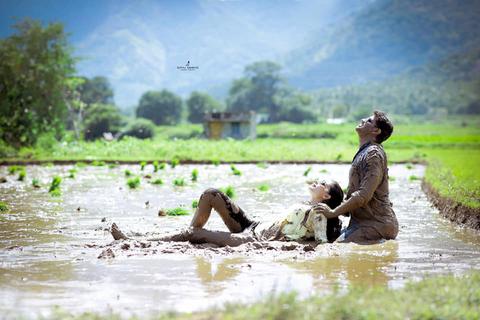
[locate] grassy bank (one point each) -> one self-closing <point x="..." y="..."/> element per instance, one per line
<point x="451" y="148"/>
<point x="446" y="297"/>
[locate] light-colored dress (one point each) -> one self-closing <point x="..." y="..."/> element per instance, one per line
<point x="300" y="224"/>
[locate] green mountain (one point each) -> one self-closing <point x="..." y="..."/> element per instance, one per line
<point x="448" y="86"/>
<point x="386" y="39"/>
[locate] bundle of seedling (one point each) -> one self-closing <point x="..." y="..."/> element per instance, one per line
<point x="54" y="189"/>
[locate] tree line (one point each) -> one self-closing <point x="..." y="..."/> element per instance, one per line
<point x="41" y="93"/>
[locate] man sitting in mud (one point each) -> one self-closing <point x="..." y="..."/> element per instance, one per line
<point x="300" y="225"/>
<point x="371" y="215"/>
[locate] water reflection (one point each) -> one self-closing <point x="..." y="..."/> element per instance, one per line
<point x="350" y="263"/>
<point x="214" y="274"/>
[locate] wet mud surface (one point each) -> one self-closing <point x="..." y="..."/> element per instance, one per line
<point x="59" y="251"/>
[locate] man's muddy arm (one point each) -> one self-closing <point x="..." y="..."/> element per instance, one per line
<point x="362" y="196"/>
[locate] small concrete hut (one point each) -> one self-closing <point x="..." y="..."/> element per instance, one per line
<point x="221" y="125"/>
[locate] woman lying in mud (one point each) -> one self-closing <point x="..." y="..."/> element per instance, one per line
<point x="303" y="224"/>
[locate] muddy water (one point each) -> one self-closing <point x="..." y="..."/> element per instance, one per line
<point x="49" y="246"/>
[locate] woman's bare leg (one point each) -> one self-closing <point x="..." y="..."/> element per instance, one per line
<point x="199" y="235"/>
<point x="232" y="215"/>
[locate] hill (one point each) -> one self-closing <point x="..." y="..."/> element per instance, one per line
<point x="385" y="39"/>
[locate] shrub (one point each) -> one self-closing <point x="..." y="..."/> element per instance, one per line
<point x="162" y="107"/>
<point x="101" y="118"/>
<point x="139" y="128"/>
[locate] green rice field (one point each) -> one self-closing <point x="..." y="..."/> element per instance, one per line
<point x="451" y="148"/>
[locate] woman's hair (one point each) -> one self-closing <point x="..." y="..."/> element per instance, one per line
<point x="336" y="195"/>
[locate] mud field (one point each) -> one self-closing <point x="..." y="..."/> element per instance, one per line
<point x="50" y="246"/>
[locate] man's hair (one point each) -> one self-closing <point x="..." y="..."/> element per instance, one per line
<point x="336" y="195"/>
<point x="384" y="124"/>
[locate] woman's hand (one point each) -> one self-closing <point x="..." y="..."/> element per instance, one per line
<point x="322" y="208"/>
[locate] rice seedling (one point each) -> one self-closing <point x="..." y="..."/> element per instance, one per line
<point x="263" y="187"/>
<point x="235" y="171"/>
<point x="229" y="191"/>
<point x="162" y="166"/>
<point x="55" y="184"/>
<point x="194" y="175"/>
<point x="157" y="181"/>
<point x="215" y="162"/>
<point x="155" y="166"/>
<point x="391" y="178"/>
<point x="35" y="183"/>
<point x="148" y="176"/>
<point x="3" y="206"/>
<point x="133" y="183"/>
<point x="179" y="182"/>
<point x="71" y="173"/>
<point x="142" y="165"/>
<point x="324" y="171"/>
<point x="48" y="164"/>
<point x="338" y="157"/>
<point x="413" y="178"/>
<point x="128" y="173"/>
<point x="97" y="163"/>
<point x="112" y="165"/>
<point x="13" y="169"/>
<point x="262" y="165"/>
<point x="178" y="211"/>
<point x="22" y="174"/>
<point x="306" y="172"/>
<point x="81" y="164"/>
<point x="175" y="162"/>
<point x="56" y="192"/>
<point x="195" y="204"/>
<point x="409" y="166"/>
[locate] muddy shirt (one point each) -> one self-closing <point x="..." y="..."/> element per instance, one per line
<point x="368" y="186"/>
<point x="299" y="224"/>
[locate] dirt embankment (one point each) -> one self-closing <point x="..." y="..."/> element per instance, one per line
<point x="454" y="211"/>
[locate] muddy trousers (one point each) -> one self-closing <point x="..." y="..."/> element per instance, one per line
<point x="232" y="215"/>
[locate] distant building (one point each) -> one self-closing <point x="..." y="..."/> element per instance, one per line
<point x="221" y="125"/>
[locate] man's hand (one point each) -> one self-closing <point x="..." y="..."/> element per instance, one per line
<point x="322" y="208"/>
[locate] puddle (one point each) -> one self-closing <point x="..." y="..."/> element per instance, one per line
<point x="49" y="248"/>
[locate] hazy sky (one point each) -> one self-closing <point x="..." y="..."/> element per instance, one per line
<point x="138" y="45"/>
